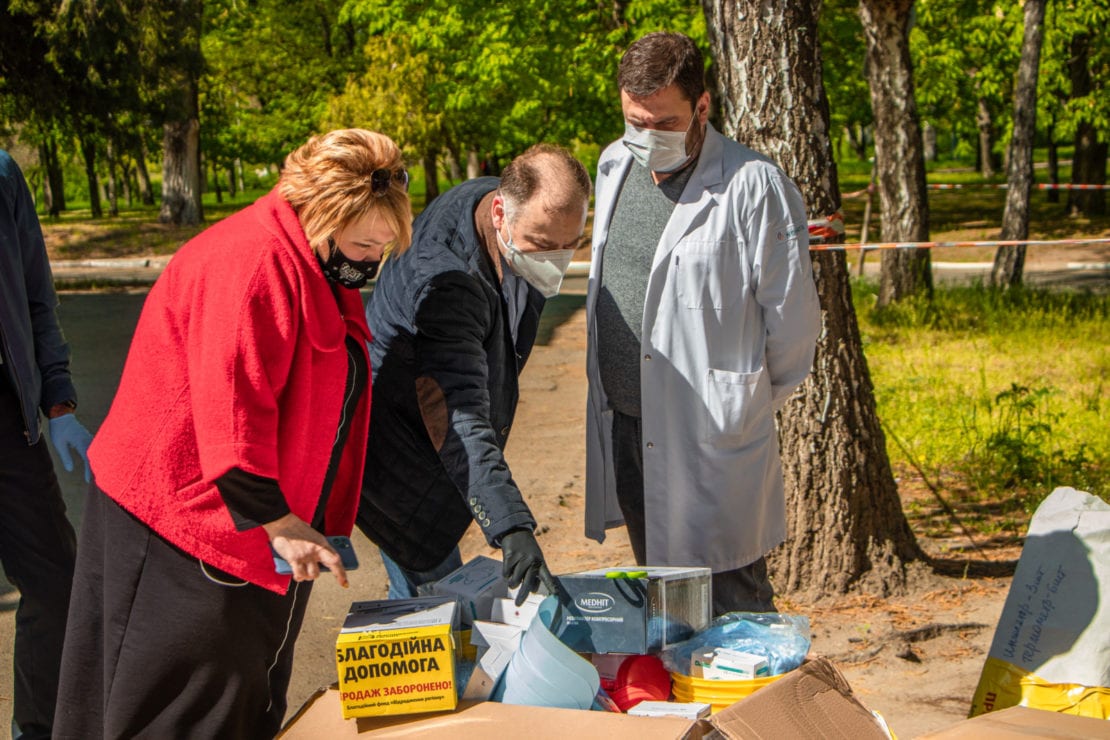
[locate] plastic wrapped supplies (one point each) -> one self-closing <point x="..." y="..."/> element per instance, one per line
<point x="782" y="639"/>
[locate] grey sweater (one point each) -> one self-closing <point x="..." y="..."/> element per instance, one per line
<point x="640" y="215"/>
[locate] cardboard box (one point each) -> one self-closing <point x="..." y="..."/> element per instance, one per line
<point x="320" y="718"/>
<point x="397" y="657"/>
<point x="1022" y="723"/>
<point x="642" y="611"/>
<point x="812" y="701"/>
<point x="476" y="584"/>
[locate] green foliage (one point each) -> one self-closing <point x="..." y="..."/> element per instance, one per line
<point x="474" y="76"/>
<point x="843" y="53"/>
<point x="1057" y="104"/>
<point x="271" y="68"/>
<point x="996" y="394"/>
<point x="965" y="51"/>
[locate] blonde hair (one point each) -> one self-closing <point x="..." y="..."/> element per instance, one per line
<point x="327" y="181"/>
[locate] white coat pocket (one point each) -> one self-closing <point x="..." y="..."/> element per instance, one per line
<point x="737" y="407"/>
<point x="707" y="273"/>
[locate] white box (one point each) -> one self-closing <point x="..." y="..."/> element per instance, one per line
<point x="746" y="665"/>
<point x="476" y="584"/>
<point x="687" y="710"/>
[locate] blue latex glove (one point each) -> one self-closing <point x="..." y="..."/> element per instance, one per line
<point x="66" y="432"/>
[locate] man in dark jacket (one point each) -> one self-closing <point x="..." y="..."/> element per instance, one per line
<point x="36" y="540"/>
<point x="453" y="321"/>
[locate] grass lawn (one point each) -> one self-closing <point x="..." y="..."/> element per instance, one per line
<point x="994" y="398"/>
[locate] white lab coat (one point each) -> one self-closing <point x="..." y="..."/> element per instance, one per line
<point x="730" y="323"/>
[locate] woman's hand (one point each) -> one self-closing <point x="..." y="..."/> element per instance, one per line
<point x="304" y="549"/>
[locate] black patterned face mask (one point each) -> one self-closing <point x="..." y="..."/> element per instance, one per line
<point x="349" y="273"/>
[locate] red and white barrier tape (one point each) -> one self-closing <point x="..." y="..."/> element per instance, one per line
<point x="986" y="185"/>
<point x="826" y="229"/>
<point x="931" y="245"/>
<point x="1005" y="186"/>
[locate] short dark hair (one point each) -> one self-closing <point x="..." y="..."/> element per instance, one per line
<point x="548" y="170"/>
<point x="659" y="60"/>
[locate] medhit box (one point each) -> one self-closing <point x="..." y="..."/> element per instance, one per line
<point x="397" y="657"/>
<point x="635" y="610"/>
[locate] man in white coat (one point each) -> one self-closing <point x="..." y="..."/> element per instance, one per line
<point x="703" y="318"/>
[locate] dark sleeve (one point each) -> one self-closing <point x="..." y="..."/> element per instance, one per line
<point x="251" y="499"/>
<point x="51" y="349"/>
<point x="452" y="321"/>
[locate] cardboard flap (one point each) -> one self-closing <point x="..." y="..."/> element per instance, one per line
<point x="321" y="718"/>
<point x="813" y="701"/>
<point x="1023" y="723"/>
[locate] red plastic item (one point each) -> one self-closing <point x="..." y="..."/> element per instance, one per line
<point x="640" y="678"/>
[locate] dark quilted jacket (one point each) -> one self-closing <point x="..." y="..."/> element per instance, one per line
<point x="445" y="390"/>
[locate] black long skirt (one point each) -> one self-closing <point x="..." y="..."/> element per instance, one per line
<point x="161" y="645"/>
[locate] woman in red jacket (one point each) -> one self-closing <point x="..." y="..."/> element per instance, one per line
<point x="239" y="425"/>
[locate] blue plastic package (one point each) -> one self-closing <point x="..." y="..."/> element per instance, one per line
<point x="783" y="639"/>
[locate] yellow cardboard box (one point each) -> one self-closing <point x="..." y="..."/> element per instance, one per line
<point x="397" y="657"/>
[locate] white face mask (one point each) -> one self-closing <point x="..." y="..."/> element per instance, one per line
<point x="544" y="271"/>
<point x="659" y="151"/>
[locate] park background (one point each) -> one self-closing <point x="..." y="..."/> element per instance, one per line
<point x="966" y="401"/>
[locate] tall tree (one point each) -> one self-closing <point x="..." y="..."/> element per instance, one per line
<point x="845" y="529"/>
<point x="1089" y="160"/>
<point x="1071" y="94"/>
<point x="1010" y="261"/>
<point x="899" y="155"/>
<point x="181" y="64"/>
<point x="28" y="78"/>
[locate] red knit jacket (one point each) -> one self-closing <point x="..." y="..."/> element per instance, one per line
<point x="238" y="361"/>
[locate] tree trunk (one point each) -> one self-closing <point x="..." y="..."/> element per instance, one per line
<point x="929" y="142"/>
<point x="231" y="189"/>
<point x="113" y="176"/>
<point x="858" y="141"/>
<point x="431" y="176"/>
<point x="126" y="180"/>
<point x="1053" y="195"/>
<point x="1010" y="261"/>
<point x="454" y="171"/>
<point x="88" y="151"/>
<point x="54" y="184"/>
<point x="216" y="182"/>
<point x="473" y="166"/>
<point x="146" y="193"/>
<point x="181" y="173"/>
<point x="1089" y="161"/>
<point x="182" y="176"/>
<point x="903" y="202"/>
<point x="986" y="139"/>
<point x="845" y="527"/>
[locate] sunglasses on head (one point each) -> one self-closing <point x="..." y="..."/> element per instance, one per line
<point x="380" y="180"/>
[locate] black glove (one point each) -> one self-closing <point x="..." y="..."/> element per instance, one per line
<point x="524" y="565"/>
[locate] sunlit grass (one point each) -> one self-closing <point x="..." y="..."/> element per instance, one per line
<point x="994" y="394"/>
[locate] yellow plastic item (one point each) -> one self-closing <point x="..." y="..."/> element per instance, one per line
<point x="719" y="694"/>
<point x="466" y="651"/>
<point x="1004" y="685"/>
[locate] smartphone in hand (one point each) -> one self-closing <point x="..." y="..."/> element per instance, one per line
<point x="339" y="543"/>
